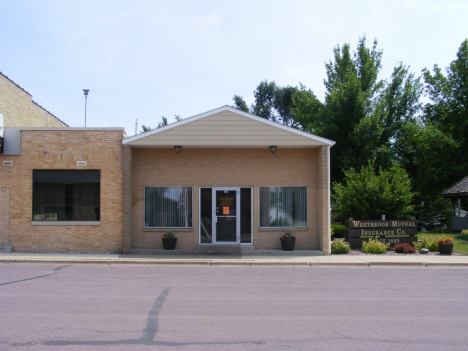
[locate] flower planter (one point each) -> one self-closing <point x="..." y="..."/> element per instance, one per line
<point x="287" y="244"/>
<point x="445" y="249"/>
<point x="169" y="243"/>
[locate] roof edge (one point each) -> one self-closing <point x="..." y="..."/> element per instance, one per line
<point x="447" y="193"/>
<point x="233" y="110"/>
<point x="66" y="128"/>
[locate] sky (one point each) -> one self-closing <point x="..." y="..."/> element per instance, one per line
<point x="145" y="59"/>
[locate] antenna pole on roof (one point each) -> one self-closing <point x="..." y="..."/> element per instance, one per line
<point x="136" y="125"/>
<point x="86" y="91"/>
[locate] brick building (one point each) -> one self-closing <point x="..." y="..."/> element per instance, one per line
<point x="19" y="110"/>
<point x="55" y="180"/>
<point x="221" y="178"/>
<point x="226" y="177"/>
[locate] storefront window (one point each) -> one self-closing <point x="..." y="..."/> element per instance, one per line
<point x="168" y="207"/>
<point x="283" y="206"/>
<point x="66" y="195"/>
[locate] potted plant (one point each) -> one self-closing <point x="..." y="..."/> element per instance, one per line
<point x="169" y="240"/>
<point x="287" y="241"/>
<point x="445" y="246"/>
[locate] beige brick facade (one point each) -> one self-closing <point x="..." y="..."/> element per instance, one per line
<point x="224" y="148"/>
<point x="4" y="216"/>
<point x="19" y="110"/>
<point x="61" y="149"/>
<point x="239" y="167"/>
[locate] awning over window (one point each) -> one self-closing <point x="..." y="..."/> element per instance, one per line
<point x="54" y="175"/>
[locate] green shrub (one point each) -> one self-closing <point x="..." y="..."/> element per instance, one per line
<point x="462" y="236"/>
<point x="375" y="247"/>
<point x="338" y="230"/>
<point x="464" y="231"/>
<point x="428" y="242"/>
<point x="340" y="247"/>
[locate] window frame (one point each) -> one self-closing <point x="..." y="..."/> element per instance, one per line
<point x="165" y="186"/>
<point x="283" y="186"/>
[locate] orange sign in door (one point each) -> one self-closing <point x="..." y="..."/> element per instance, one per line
<point x="225" y="210"/>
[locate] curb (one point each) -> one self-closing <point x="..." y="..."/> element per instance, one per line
<point x="220" y="263"/>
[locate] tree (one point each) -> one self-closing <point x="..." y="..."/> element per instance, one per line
<point x="160" y="124"/>
<point x="264" y="100"/>
<point x="367" y="195"/>
<point x="271" y="102"/>
<point x="352" y="90"/>
<point x="284" y="106"/>
<point x="423" y="150"/>
<point x="306" y="109"/>
<point x="239" y="103"/>
<point x="145" y="129"/>
<point x="448" y="110"/>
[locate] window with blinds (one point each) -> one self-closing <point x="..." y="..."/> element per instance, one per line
<point x="283" y="206"/>
<point x="66" y="195"/>
<point x="168" y="207"/>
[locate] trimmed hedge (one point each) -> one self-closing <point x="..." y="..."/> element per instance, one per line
<point x="463" y="236"/>
<point x="339" y="230"/>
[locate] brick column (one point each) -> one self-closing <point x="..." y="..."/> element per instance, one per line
<point x="127" y="198"/>
<point x="324" y="199"/>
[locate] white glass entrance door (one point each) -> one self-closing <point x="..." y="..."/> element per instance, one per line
<point x="226" y="215"/>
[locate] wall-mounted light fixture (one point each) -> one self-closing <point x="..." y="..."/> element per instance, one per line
<point x="272" y="149"/>
<point x="178" y="148"/>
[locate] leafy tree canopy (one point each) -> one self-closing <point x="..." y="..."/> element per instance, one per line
<point x="367" y="195"/>
<point x="160" y="124"/>
<point x="448" y="110"/>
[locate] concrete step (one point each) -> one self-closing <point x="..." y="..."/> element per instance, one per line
<point x="224" y="250"/>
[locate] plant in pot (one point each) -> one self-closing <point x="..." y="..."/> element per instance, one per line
<point x="169" y="240"/>
<point x="287" y="241"/>
<point x="445" y="246"/>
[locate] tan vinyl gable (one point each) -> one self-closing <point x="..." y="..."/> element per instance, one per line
<point x="226" y="128"/>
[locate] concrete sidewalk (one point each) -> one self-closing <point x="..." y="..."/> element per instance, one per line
<point x="264" y="258"/>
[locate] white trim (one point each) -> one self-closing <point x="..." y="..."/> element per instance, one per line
<point x="233" y="110"/>
<point x="66" y="222"/>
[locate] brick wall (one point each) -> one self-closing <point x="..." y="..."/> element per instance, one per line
<point x="49" y="149"/>
<point x="19" y="110"/>
<point x="254" y="167"/>
<point x="4" y="216"/>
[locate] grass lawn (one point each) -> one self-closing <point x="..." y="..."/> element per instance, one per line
<point x="460" y="246"/>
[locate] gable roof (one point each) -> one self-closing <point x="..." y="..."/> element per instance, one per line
<point x="458" y="189"/>
<point x="226" y="127"/>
